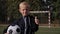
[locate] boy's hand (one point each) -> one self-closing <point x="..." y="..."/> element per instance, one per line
<point x="36" y="20"/>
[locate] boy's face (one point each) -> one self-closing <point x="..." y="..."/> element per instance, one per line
<point x="24" y="10"/>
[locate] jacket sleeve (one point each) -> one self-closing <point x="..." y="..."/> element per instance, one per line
<point x="34" y="25"/>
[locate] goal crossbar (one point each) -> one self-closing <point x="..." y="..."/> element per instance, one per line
<point x="39" y="11"/>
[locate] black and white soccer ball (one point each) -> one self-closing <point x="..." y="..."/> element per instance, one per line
<point x="13" y="29"/>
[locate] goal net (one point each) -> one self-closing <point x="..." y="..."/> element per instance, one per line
<point x="44" y="17"/>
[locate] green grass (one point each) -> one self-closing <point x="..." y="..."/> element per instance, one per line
<point x="42" y="30"/>
<point x="1" y="29"/>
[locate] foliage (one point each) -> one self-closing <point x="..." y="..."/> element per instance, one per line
<point x="9" y="8"/>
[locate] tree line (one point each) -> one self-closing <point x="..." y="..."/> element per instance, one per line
<point x="9" y="8"/>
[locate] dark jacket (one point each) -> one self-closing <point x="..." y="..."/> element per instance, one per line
<point x="20" y="22"/>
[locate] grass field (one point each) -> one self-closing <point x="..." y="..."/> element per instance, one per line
<point x="42" y="30"/>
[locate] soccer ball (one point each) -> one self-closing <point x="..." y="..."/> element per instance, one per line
<point x="13" y="29"/>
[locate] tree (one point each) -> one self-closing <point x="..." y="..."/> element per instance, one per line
<point x="2" y="10"/>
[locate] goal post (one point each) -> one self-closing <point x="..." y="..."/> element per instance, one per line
<point x="49" y="20"/>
